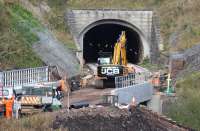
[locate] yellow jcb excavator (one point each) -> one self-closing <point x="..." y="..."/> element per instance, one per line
<point x="108" y="69"/>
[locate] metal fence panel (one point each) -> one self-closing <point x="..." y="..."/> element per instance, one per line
<point x="1" y="83"/>
<point x="141" y="92"/>
<point x="25" y="76"/>
<point x="133" y="85"/>
<point x="131" y="79"/>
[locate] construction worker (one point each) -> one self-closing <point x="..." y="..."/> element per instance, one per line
<point x="62" y="84"/>
<point x="63" y="87"/>
<point x="9" y="106"/>
<point x="156" y="79"/>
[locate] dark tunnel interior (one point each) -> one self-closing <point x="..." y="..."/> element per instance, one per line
<point x="102" y="38"/>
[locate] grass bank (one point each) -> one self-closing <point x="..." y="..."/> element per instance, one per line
<point x="16" y="37"/>
<point x="39" y="122"/>
<point x="186" y="109"/>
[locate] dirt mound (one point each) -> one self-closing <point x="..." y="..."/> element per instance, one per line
<point x="113" y="119"/>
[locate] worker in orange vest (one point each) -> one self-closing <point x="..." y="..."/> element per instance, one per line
<point x="9" y="106"/>
<point x="157" y="81"/>
<point x="63" y="87"/>
<point x="62" y="84"/>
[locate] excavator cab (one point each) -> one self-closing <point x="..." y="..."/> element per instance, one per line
<point x="106" y="68"/>
<point x="105" y="58"/>
<point x="104" y="61"/>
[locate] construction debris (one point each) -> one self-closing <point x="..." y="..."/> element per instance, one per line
<point x="85" y="80"/>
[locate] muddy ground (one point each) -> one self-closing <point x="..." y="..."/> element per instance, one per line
<point x="89" y="95"/>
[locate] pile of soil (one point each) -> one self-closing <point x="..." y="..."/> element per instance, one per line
<point x="113" y="119"/>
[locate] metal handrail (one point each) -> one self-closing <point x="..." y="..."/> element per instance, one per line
<point x="131" y="79"/>
<point x="20" y="77"/>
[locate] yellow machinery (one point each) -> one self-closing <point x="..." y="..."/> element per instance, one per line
<point x="119" y="55"/>
<point x="108" y="69"/>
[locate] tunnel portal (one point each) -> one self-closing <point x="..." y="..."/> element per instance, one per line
<point x="103" y="37"/>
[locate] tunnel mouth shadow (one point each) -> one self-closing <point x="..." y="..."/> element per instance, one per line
<point x="102" y="38"/>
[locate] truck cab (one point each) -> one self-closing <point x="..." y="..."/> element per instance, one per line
<point x="39" y="98"/>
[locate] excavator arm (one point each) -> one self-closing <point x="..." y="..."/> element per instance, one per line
<point x="119" y="55"/>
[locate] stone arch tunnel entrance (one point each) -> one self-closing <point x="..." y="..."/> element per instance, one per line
<point x="93" y="30"/>
<point x="102" y="38"/>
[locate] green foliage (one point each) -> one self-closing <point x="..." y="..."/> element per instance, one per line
<point x="186" y="109"/>
<point x="56" y="21"/>
<point x="15" y="52"/>
<point x="1" y="6"/>
<point x="22" y="14"/>
<point x="180" y="17"/>
<point x="16" y="38"/>
<point x="23" y="22"/>
<point x="145" y="63"/>
<point x="57" y="3"/>
<point x="93" y="4"/>
<point x="157" y="2"/>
